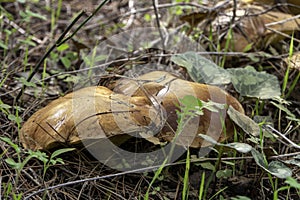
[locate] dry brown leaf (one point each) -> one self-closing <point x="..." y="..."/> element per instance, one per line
<point x="287" y="6"/>
<point x="256" y="24"/>
<point x="293" y="6"/>
<point x="259" y="2"/>
<point x="196" y="17"/>
<point x="134" y="106"/>
<point x="261" y="28"/>
<point x="294" y="61"/>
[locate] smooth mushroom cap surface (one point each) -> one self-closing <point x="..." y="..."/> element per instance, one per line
<point x="151" y="101"/>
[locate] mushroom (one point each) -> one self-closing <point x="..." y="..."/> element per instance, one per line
<point x="167" y="90"/>
<point x="88" y="109"/>
<point x="132" y="106"/>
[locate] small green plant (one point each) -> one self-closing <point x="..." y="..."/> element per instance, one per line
<point x="201" y="189"/>
<point x="17" y="165"/>
<point x="8" y="192"/>
<point x="185" y="191"/>
<point x="55" y="14"/>
<point x="42" y="156"/>
<point x="156" y="176"/>
<point x="286" y="75"/>
<point x="189" y="107"/>
<point x="5" y="108"/>
<point x="64" y="55"/>
<point x="53" y="160"/>
<point x="292" y="183"/>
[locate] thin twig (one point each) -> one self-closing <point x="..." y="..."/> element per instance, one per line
<point x="280" y="22"/>
<point x="169" y="5"/>
<point x="283" y="136"/>
<point x="61" y="41"/>
<point x="21" y="30"/>
<point x="233" y="12"/>
<point x="85" y="21"/>
<point x="165" y="6"/>
<point x="158" y="24"/>
<point x="106" y="176"/>
<point x="147" y="169"/>
<point x="254" y="54"/>
<point x="34" y="71"/>
<point x="91" y="179"/>
<point x="283" y="34"/>
<point x="132" y="16"/>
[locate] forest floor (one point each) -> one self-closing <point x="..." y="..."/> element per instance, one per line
<point x="232" y="34"/>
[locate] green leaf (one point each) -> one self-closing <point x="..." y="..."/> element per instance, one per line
<point x="208" y="165"/>
<point x="13" y="163"/>
<point x="3" y="46"/>
<point x="226" y="173"/>
<point x="284" y="109"/>
<point x="292" y="182"/>
<point x="147" y="17"/>
<point x="240" y="147"/>
<point x="5" y="106"/>
<point x="36" y="15"/>
<point x="190" y="106"/>
<point x="42" y="156"/>
<point x="190" y="102"/>
<point x="72" y="79"/>
<point x="259" y="159"/>
<point x="66" y="62"/>
<point x="275" y="168"/>
<point x="294" y="161"/>
<point x="71" y="55"/>
<point x="62" y="47"/>
<point x="25" y="82"/>
<point x="29" y="42"/>
<point x="213" y="106"/>
<point x="248" y="82"/>
<point x="208" y="139"/>
<point x="201" y="69"/>
<point x="54" y="56"/>
<point x="14" y="118"/>
<point x="253" y="57"/>
<point x="58" y="160"/>
<point x="279" y="169"/>
<point x="248" y="47"/>
<point x="10" y="143"/>
<point x="247" y="124"/>
<point x="61" y="151"/>
<point x="294" y="119"/>
<point x="240" y="198"/>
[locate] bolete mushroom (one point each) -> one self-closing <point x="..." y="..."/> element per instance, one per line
<point x="88" y="109"/>
<point x="167" y="90"/>
<point x="150" y="102"/>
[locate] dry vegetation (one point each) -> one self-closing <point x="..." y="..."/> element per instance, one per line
<point x="234" y="34"/>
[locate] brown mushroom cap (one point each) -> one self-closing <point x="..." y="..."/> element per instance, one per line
<point x="173" y="89"/>
<point x="97" y="112"/>
<point x="88" y="111"/>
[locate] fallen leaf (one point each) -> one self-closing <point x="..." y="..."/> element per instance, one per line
<point x="248" y="82"/>
<point x="201" y="69"/>
<point x="244" y="122"/>
<point x="294" y="61"/>
<point x="275" y="168"/>
<point x="255" y="24"/>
